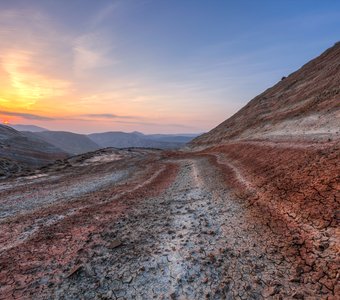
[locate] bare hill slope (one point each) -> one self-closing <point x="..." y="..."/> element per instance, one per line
<point x="307" y="103"/>
<point x="23" y="127"/>
<point x="69" y="142"/>
<point x="18" y="151"/>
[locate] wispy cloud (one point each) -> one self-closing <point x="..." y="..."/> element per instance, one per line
<point x="109" y="116"/>
<point x="83" y="117"/>
<point x="91" y="51"/>
<point x="30" y="68"/>
<point x="26" y="116"/>
<point x="28" y="83"/>
<point x="156" y="124"/>
<point x="104" y="13"/>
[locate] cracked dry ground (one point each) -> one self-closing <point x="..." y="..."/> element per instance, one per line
<point x="248" y="220"/>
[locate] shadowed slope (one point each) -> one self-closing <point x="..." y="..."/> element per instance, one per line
<point x="31" y="128"/>
<point x="69" y="142"/>
<point x="18" y="151"/>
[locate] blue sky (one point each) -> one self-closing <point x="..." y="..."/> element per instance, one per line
<point x="152" y="66"/>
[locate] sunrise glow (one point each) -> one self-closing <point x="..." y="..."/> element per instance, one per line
<point x="107" y="69"/>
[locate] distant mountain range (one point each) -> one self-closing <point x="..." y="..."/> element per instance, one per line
<point x="69" y="142"/>
<point x="75" y="144"/>
<point x="136" y="139"/>
<point x="25" y="146"/>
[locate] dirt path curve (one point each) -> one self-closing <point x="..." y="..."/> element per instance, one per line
<point x="173" y="229"/>
<point x="191" y="242"/>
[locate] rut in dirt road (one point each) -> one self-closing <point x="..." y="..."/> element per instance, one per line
<point x="175" y="225"/>
<point x="162" y="241"/>
<point x="191" y="242"/>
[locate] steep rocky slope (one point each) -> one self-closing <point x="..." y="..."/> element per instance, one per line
<point x="280" y="156"/>
<point x="306" y="103"/>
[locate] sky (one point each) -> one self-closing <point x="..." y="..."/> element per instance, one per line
<point x="155" y="66"/>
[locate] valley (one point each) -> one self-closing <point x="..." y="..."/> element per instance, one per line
<point x="249" y="210"/>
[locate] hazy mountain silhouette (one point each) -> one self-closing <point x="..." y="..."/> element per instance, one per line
<point x="32" y="128"/>
<point x="136" y="139"/>
<point x="18" y="151"/>
<point x="69" y="142"/>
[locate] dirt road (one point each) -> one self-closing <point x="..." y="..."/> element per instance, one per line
<point x="146" y="224"/>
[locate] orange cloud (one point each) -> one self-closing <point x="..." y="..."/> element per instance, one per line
<point x="25" y="86"/>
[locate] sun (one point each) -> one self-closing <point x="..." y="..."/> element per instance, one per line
<point x="6" y="122"/>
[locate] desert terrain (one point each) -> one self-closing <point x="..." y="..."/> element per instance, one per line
<point x="218" y="223"/>
<point x="249" y="210"/>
